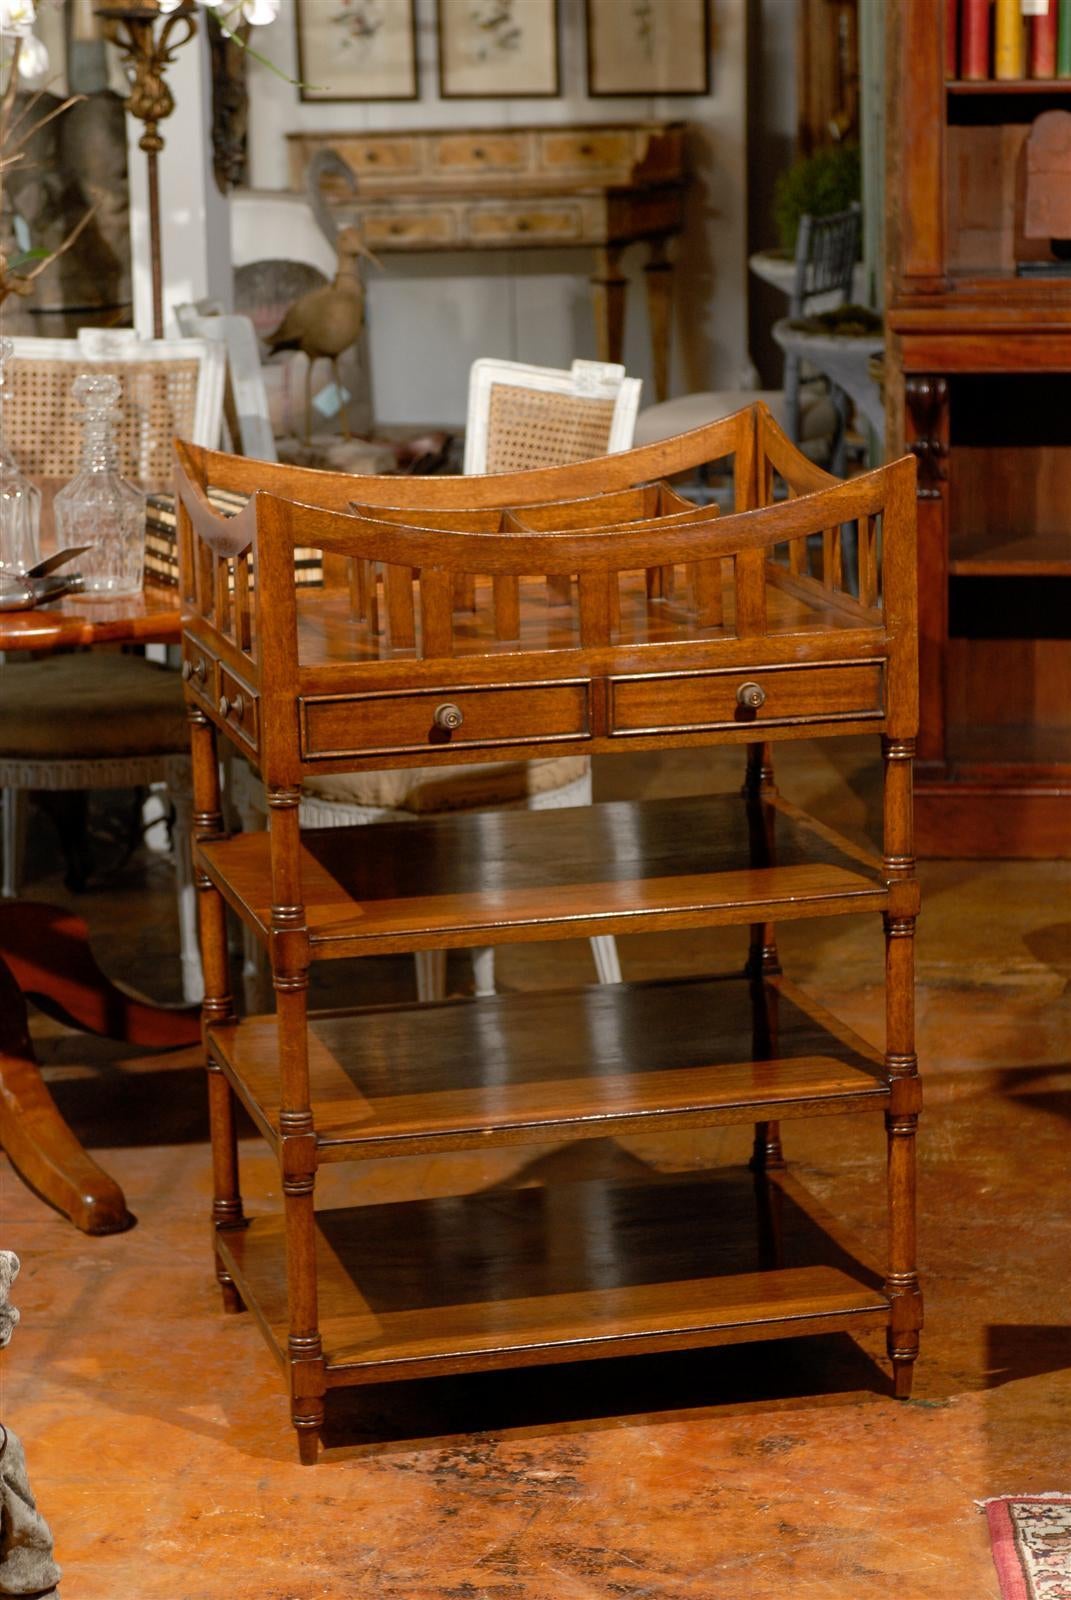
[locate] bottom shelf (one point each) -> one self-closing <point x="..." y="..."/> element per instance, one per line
<point x="527" y="1276"/>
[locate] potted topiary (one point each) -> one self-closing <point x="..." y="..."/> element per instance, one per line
<point x="816" y="185"/>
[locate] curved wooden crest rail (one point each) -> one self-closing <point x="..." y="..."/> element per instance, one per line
<point x="584" y="609"/>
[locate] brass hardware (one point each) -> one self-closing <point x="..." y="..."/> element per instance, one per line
<point x="479" y="152"/>
<point x="523" y="225"/>
<point x="751" y="696"/>
<point x="193" y="669"/>
<point x="237" y="705"/>
<point x="448" y="716"/>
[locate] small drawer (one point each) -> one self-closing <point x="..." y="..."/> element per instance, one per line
<point x="531" y="222"/>
<point x="237" y="707"/>
<point x="334" y="726"/>
<point x="468" y="154"/>
<point x="199" y="671"/>
<point x="760" y="697"/>
<point x="380" y="158"/>
<point x="595" y="150"/>
<point x="414" y="228"/>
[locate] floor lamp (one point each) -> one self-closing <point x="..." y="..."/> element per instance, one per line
<point x="148" y="39"/>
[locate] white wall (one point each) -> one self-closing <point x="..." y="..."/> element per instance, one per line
<point x="431" y="316"/>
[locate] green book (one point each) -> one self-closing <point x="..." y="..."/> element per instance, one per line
<point x="1063" y="41"/>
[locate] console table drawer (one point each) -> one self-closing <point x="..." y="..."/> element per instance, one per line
<point x="560" y="222"/>
<point x="666" y="702"/>
<point x="334" y="726"/>
<point x="384" y="226"/>
<point x="592" y="150"/>
<point x="468" y="154"/>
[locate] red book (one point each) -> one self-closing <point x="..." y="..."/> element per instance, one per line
<point x="951" y="38"/>
<point x="1042" y="59"/>
<point x="974" y="56"/>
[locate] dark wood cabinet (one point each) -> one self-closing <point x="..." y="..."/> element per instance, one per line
<point x="979" y="389"/>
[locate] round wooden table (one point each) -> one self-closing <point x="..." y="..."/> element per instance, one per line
<point x="45" y="954"/>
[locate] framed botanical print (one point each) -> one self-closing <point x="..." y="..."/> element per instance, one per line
<point x="498" y="48"/>
<point x="648" y="46"/>
<point x="357" y="49"/>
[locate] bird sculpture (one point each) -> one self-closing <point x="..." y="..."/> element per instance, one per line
<point x="327" y="320"/>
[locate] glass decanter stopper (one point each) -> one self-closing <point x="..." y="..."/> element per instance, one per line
<point x="20" y="500"/>
<point x="99" y="507"/>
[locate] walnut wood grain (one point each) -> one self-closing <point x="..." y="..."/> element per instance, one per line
<point x="531" y="1068"/>
<point x="530" y="1276"/>
<point x="454" y="880"/>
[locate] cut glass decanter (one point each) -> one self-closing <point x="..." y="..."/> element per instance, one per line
<point x="99" y="507"/>
<point x="20" y="500"/>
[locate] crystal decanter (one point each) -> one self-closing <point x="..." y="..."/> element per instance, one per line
<point x="20" y="500"/>
<point x="99" y="507"/>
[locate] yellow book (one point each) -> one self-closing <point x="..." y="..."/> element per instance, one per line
<point x="1009" y="50"/>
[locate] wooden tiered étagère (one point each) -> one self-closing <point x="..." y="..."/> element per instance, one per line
<point x="583" y="609"/>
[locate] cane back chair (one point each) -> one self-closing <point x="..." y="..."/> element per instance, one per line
<point x="99" y="720"/>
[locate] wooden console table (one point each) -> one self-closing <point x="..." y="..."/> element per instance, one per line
<point x="583" y="609"/>
<point x="602" y="186"/>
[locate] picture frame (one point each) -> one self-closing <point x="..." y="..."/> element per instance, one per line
<point x="357" y="50"/>
<point x="648" y="47"/>
<point x="494" y="49"/>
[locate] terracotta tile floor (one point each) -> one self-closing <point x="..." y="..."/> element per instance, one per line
<point x="156" y="1428"/>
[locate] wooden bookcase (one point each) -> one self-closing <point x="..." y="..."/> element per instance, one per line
<point x="620" y="619"/>
<point x="979" y="389"/>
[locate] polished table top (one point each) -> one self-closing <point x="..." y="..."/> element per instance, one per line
<point x="152" y="617"/>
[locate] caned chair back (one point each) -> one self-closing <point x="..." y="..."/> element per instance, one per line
<point x="522" y="416"/>
<point x="171" y="388"/>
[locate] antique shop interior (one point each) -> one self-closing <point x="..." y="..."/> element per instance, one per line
<point x="535" y="758"/>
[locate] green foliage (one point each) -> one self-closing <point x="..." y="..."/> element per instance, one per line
<point x="816" y="185"/>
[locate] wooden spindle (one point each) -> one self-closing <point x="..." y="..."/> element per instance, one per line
<point x="868" y="560"/>
<point x="436" y="612"/>
<point x="595" y="608"/>
<point x="507" y="603"/>
<point x="243" y="618"/>
<point x="832" y="566"/>
<point x="706" y="592"/>
<point x="749" y="570"/>
<point x="401" y="617"/>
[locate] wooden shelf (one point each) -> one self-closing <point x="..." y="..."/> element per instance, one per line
<point x="526" y="1068"/>
<point x="505" y="876"/>
<point x="513" y="1277"/>
<point x="1029" y="555"/>
<point x="958" y="86"/>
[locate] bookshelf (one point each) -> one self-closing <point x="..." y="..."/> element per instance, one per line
<point x="979" y="390"/>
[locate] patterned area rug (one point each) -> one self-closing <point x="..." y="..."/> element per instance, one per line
<point x="1031" y="1539"/>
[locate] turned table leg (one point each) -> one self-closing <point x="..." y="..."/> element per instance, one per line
<point x="610" y="286"/>
<point x="658" y="276"/>
<point x="45" y="956"/>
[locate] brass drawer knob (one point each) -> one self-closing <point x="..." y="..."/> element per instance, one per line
<point x="751" y="696"/>
<point x="193" y="669"/>
<point x="237" y="706"/>
<point x="448" y="716"/>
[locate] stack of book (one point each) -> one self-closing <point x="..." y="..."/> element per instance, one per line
<point x="161" y="543"/>
<point x="1008" y="39"/>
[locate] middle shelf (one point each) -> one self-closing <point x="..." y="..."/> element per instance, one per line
<point x="493" y="877"/>
<point x="527" y="1068"/>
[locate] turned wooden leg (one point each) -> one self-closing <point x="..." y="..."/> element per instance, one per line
<point x="218" y="1004"/>
<point x="658" y="276"/>
<point x="610" y="288"/>
<point x="901" y="1063"/>
<point x="297" y="1155"/>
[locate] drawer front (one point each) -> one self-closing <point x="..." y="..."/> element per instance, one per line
<point x="761" y="697"/>
<point x="380" y="158"/>
<point x="527" y="221"/>
<point x="413" y="227"/>
<point x="237" y="707"/>
<point x="334" y="726"/>
<point x="588" y="150"/>
<point x="199" y="668"/>
<point x="464" y="155"/>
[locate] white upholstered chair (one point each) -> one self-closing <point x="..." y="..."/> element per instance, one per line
<point x="518" y="416"/>
<point x="245" y="398"/>
<point x="97" y="720"/>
